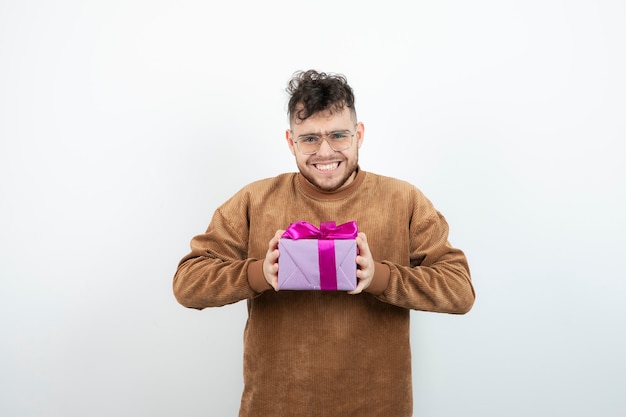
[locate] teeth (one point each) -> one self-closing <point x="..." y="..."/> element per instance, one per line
<point x="326" y="167"/>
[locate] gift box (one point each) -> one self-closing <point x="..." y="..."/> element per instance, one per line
<point x="318" y="259"/>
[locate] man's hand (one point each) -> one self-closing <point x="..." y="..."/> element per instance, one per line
<point x="270" y="264"/>
<point x="365" y="264"/>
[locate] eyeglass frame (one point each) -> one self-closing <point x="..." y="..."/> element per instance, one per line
<point x="326" y="137"/>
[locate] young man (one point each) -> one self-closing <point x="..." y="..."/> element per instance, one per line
<point x="327" y="353"/>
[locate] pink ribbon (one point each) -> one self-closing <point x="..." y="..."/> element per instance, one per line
<point x="326" y="234"/>
<point x="327" y="230"/>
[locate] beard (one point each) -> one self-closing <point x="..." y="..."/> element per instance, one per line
<point x="350" y="167"/>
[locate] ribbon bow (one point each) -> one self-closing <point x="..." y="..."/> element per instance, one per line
<point x="327" y="230"/>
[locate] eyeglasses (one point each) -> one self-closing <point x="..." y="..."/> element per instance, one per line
<point x="339" y="141"/>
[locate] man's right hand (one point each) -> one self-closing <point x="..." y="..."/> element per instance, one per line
<point x="270" y="264"/>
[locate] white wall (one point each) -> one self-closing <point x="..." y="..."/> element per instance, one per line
<point x="124" y="124"/>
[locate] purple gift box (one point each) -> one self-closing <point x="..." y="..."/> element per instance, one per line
<point x="318" y="259"/>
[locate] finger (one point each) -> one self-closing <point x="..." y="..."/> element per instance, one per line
<point x="361" y="283"/>
<point x="272" y="258"/>
<point x="273" y="243"/>
<point x="359" y="288"/>
<point x="363" y="263"/>
<point x="361" y="242"/>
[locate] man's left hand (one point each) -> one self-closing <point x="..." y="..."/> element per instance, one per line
<point x="365" y="265"/>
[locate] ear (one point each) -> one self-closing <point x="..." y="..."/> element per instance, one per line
<point x="289" y="137"/>
<point x="360" y="134"/>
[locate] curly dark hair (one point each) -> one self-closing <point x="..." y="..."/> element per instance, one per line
<point x="312" y="92"/>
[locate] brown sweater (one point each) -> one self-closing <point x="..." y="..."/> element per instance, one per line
<point x="324" y="353"/>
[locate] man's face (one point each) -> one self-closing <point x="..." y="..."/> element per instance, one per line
<point x="327" y="169"/>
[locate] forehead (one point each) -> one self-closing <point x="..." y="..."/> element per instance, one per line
<point x="326" y="120"/>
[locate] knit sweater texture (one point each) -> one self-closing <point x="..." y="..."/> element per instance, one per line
<point x="327" y="353"/>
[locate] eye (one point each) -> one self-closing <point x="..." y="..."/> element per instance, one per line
<point x="338" y="135"/>
<point x="309" y="139"/>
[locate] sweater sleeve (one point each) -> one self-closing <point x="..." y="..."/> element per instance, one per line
<point x="215" y="272"/>
<point x="437" y="278"/>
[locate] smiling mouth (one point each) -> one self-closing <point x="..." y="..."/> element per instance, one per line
<point x="327" y="167"/>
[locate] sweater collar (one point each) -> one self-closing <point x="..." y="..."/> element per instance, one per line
<point x="312" y="191"/>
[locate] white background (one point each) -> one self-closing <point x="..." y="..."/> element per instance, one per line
<point x="124" y="124"/>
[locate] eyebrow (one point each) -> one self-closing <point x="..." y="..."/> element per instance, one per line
<point x="326" y="133"/>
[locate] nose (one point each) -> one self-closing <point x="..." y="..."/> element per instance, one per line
<point x="325" y="148"/>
